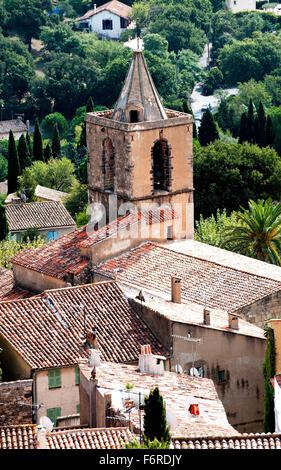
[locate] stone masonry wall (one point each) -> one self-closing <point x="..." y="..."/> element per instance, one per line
<point x="15" y="402"/>
<point x="262" y="310"/>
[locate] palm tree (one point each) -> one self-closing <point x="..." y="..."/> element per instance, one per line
<point x="257" y="233"/>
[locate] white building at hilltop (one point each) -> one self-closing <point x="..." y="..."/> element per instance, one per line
<point x="240" y="5"/>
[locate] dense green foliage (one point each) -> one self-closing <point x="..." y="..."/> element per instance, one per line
<point x="13" y="165"/>
<point x="37" y="143"/>
<point x="212" y="229"/>
<point x="155" y="444"/>
<point x="269" y="370"/>
<point x="4" y="228"/>
<point x="155" y="423"/>
<point x="9" y="248"/>
<point x="23" y="153"/>
<point x="228" y="175"/>
<point x="208" y="132"/>
<point x="257" y="232"/>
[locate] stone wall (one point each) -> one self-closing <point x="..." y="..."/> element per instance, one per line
<point x="16" y="402"/>
<point x="262" y="310"/>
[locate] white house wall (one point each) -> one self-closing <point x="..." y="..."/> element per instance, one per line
<point x="96" y="24"/>
<point x="241" y="5"/>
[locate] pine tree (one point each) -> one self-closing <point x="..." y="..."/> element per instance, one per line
<point x="37" y="143"/>
<point x="23" y="153"/>
<point x="13" y="165"/>
<point x="250" y="122"/>
<point x="243" y="130"/>
<point x="56" y="148"/>
<point x="261" y="126"/>
<point x="269" y="132"/>
<point x="47" y="153"/>
<point x="155" y="423"/>
<point x="208" y="131"/>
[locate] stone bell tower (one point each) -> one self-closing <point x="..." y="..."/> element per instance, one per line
<point x="140" y="153"/>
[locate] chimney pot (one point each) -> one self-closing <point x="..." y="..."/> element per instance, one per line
<point x="233" y="321"/>
<point x="207" y="317"/>
<point x="176" y="289"/>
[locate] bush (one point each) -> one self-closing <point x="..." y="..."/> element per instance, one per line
<point x="50" y="122"/>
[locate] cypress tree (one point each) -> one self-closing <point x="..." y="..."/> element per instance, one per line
<point x="29" y="146"/>
<point x="13" y="165"/>
<point x="83" y="140"/>
<point x="37" y="143"/>
<point x="90" y="105"/>
<point x="47" y="153"/>
<point x="4" y="228"/>
<point x="155" y="423"/>
<point x="23" y="152"/>
<point x="56" y="148"/>
<point x="256" y="136"/>
<point x="250" y="121"/>
<point x="208" y="131"/>
<point x="261" y="126"/>
<point x="269" y="369"/>
<point x="243" y="130"/>
<point x="269" y="132"/>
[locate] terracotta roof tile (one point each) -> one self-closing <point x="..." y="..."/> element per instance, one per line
<point x="48" y="193"/>
<point x="102" y="438"/>
<point x="242" y="441"/>
<point x="118" y="8"/>
<point x="178" y="391"/>
<point x="150" y="266"/>
<point x="18" y="437"/>
<point x="47" y="330"/>
<point x="8" y="289"/>
<point x="47" y="214"/>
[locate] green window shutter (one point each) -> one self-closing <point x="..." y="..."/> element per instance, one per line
<point x="78" y="408"/>
<point x="77" y="376"/>
<point x="54" y="377"/>
<point x="53" y="414"/>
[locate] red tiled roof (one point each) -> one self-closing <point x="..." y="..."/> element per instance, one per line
<point x="47" y="330"/>
<point x="46" y="214"/>
<point x="18" y="437"/>
<point x="243" y="441"/>
<point x="102" y="438"/>
<point x="8" y="290"/>
<point x="118" y="8"/>
<point x="62" y="256"/>
<point x="151" y="266"/>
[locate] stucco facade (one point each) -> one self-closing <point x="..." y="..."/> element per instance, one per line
<point x="240" y="5"/>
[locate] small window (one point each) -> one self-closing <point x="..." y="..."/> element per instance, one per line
<point x="53" y="414"/>
<point x="107" y="24"/>
<point x="170" y="232"/>
<point x="221" y="376"/>
<point x="123" y="23"/>
<point x="78" y="408"/>
<point x="54" y="378"/>
<point x="77" y="376"/>
<point x="52" y="236"/>
<point x="134" y="116"/>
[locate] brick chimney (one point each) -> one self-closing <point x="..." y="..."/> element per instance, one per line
<point x="176" y="289"/>
<point x="233" y="321"/>
<point x="150" y="363"/>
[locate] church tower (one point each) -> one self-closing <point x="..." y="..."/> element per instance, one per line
<point x="140" y="154"/>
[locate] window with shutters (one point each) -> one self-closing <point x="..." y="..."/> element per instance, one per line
<point x="107" y="24"/>
<point x="77" y="376"/>
<point x="53" y="414"/>
<point x="78" y="408"/>
<point x="54" y="378"/>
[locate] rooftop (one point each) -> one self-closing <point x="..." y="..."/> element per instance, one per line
<point x="48" y="214"/>
<point x="62" y="256"/>
<point x="18" y="437"/>
<point x="15" y="125"/>
<point x="8" y="289"/>
<point x="118" y="8"/>
<point x="178" y="390"/>
<point x="102" y="438"/>
<point x="48" y="193"/>
<point x="242" y="441"/>
<point x="206" y="280"/>
<point x="47" y="330"/>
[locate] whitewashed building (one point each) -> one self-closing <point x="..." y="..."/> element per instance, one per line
<point x="241" y="5"/>
<point x="108" y="20"/>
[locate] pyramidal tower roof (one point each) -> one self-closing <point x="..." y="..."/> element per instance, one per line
<point x="139" y="100"/>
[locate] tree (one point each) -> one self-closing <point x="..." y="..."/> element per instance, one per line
<point x="8" y="248"/>
<point x="261" y="126"/>
<point x="250" y="122"/>
<point x="4" y="228"/>
<point x="28" y="143"/>
<point x="13" y="165"/>
<point x="23" y="153"/>
<point x="243" y="130"/>
<point x="211" y="230"/>
<point x="37" y="143"/>
<point x="269" y="132"/>
<point x="77" y="199"/>
<point x="25" y="18"/>
<point x="56" y="148"/>
<point x="257" y="232"/>
<point x="207" y="131"/>
<point x="227" y="175"/>
<point x="89" y="109"/>
<point x="56" y="174"/>
<point x="155" y="423"/>
<point x="47" y="153"/>
<point x="269" y="371"/>
<point x="51" y="121"/>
